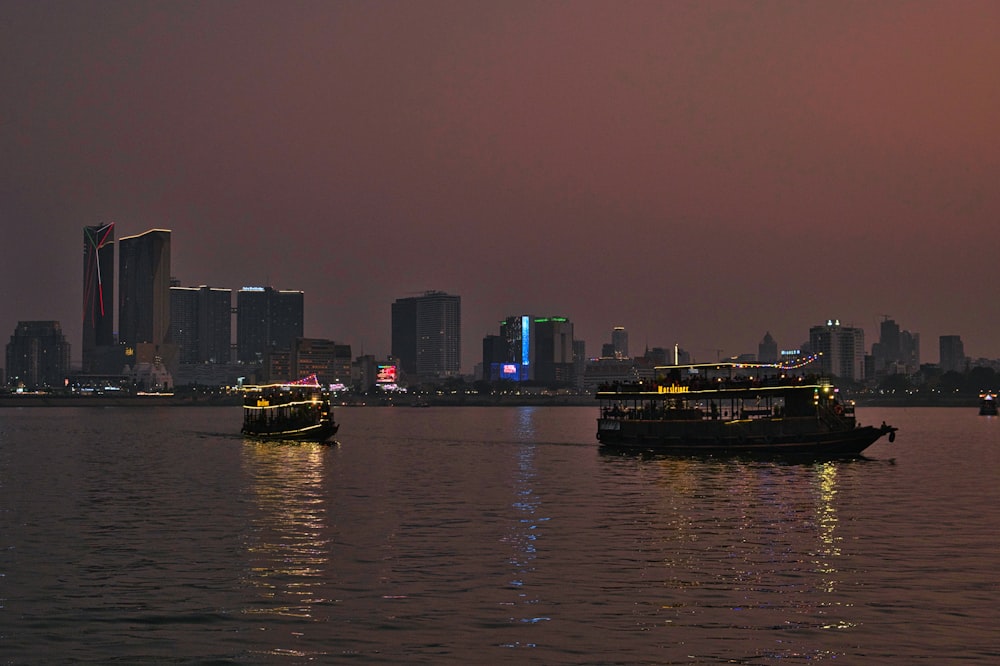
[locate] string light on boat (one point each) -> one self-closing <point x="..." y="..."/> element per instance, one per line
<point x="801" y="363"/>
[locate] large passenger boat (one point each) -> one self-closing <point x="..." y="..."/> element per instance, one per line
<point x="298" y="410"/>
<point x="988" y="404"/>
<point x="733" y="408"/>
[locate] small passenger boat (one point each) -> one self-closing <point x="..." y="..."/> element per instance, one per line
<point x="298" y="411"/>
<point x="988" y="404"/>
<point x="733" y="408"/>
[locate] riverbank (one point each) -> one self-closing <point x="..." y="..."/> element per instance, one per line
<point x="153" y="400"/>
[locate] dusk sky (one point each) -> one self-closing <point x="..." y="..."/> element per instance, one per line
<point x="698" y="172"/>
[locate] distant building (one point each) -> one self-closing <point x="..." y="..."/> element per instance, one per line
<point x="38" y="355"/>
<point x="952" y="353"/>
<point x="144" y="288"/>
<point x="276" y="366"/>
<point x="842" y="349"/>
<point x="427" y="334"/>
<point x="538" y="349"/>
<point x="896" y="352"/>
<point x="98" y="348"/>
<point x="201" y="323"/>
<point x="184" y="322"/>
<point x="579" y="362"/>
<point x="668" y="356"/>
<point x="267" y="320"/>
<point x="494" y="355"/>
<point x="554" y="357"/>
<point x="767" y="350"/>
<point x="619" y="342"/>
<point x="511" y="354"/>
<point x="364" y="372"/>
<point x="212" y="374"/>
<point x="607" y="371"/>
<point x="328" y="360"/>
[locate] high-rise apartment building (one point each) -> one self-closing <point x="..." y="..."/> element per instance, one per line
<point x="427" y="334"/>
<point x="841" y="349"/>
<point x="201" y="323"/>
<point x="38" y="355"/>
<point x="98" y="296"/>
<point x="952" y="353"/>
<point x="144" y="289"/>
<point x="267" y="320"/>
<point x="554" y="350"/>
<point x="184" y="322"/>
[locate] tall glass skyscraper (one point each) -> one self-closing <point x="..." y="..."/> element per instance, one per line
<point x="98" y="293"/>
<point x="144" y="288"/>
<point x="427" y="334"/>
<point x="267" y="320"/>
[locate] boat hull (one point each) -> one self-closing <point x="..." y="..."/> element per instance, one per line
<point x="318" y="432"/>
<point x="735" y="439"/>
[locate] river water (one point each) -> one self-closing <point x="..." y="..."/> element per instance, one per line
<point x="487" y="535"/>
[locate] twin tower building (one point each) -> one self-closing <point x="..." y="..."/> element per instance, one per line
<point x="161" y="323"/>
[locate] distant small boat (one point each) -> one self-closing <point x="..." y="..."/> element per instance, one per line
<point x="299" y="411"/>
<point x="988" y="404"/>
<point x="732" y="408"/>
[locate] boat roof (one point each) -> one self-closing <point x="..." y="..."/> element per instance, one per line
<point x="695" y="368"/>
<point x="685" y="391"/>
<point x="310" y="381"/>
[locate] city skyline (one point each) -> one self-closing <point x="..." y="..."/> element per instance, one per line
<point x="698" y="174"/>
<point x="204" y="313"/>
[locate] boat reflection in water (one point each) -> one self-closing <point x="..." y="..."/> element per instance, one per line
<point x="287" y="547"/>
<point x="766" y="533"/>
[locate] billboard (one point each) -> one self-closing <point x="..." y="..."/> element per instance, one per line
<point x="386" y="374"/>
<point x="508" y="371"/>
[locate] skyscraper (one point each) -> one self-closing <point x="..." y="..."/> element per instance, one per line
<point x="215" y="324"/>
<point x="144" y="289"/>
<point x="519" y="339"/>
<point x="952" y="353"/>
<point x="184" y="322"/>
<point x="427" y="334"/>
<point x="619" y="338"/>
<point x="266" y="320"/>
<point x="531" y="348"/>
<point x="554" y="350"/>
<point x="98" y="295"/>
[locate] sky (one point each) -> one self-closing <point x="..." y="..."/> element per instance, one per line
<point x="700" y="173"/>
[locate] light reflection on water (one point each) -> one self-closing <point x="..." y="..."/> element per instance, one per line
<point x="488" y="535"/>
<point x="525" y="533"/>
<point x="746" y="548"/>
<point x="288" y="542"/>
